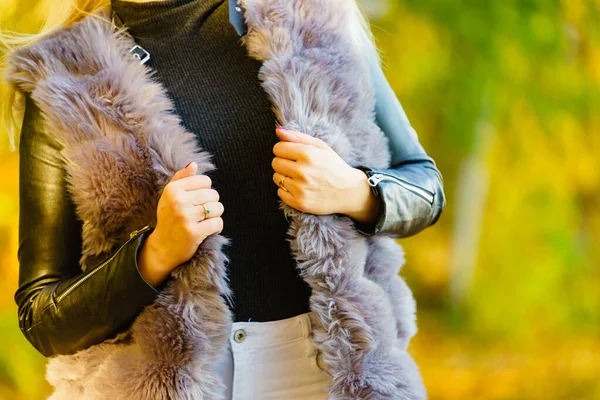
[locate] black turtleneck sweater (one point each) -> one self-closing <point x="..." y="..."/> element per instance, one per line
<point x="214" y="85"/>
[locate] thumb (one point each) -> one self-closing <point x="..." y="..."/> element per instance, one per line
<point x="190" y="170"/>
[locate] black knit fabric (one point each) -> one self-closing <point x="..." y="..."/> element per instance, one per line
<point x="198" y="57"/>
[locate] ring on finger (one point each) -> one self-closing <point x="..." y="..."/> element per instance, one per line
<point x="281" y="184"/>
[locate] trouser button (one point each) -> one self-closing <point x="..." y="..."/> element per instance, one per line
<point x="239" y="335"/>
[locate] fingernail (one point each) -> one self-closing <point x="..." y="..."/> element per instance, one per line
<point x="281" y="128"/>
<point x="188" y="164"/>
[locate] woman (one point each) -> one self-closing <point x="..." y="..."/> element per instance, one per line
<point x="134" y="279"/>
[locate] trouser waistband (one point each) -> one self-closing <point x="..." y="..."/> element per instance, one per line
<point x="264" y="334"/>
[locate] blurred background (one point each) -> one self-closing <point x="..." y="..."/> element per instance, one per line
<point x="505" y="96"/>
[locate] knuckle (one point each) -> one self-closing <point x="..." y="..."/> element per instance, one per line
<point x="188" y="228"/>
<point x="308" y="153"/>
<point x="300" y="193"/>
<point x="176" y="203"/>
<point x="301" y="175"/>
<point x="300" y="204"/>
<point x="168" y="190"/>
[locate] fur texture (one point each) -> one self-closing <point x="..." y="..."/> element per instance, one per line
<point x="123" y="142"/>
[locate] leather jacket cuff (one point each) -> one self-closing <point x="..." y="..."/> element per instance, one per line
<point x="412" y="198"/>
<point x="137" y="240"/>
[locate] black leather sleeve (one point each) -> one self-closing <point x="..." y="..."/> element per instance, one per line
<point x="410" y="191"/>
<point x="62" y="310"/>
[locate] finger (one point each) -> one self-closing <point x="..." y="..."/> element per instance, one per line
<point x="299" y="137"/>
<point x="285" y="167"/>
<point x="189" y="170"/>
<point x="288" y="198"/>
<point x="193" y="182"/>
<point x="289" y="182"/>
<point x="211" y="209"/>
<point x="290" y="150"/>
<point x="210" y="226"/>
<point x="200" y="196"/>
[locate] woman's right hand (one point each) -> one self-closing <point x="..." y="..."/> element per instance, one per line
<point x="181" y="224"/>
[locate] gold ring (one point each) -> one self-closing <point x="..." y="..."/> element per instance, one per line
<point x="280" y="184"/>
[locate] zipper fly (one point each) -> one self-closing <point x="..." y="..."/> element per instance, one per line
<point x="419" y="191"/>
<point x="99" y="267"/>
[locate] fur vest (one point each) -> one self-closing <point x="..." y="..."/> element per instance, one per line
<point x="122" y="142"/>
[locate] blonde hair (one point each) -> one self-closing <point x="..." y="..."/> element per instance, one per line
<point x="364" y="35"/>
<point x="59" y="14"/>
<point x="63" y="13"/>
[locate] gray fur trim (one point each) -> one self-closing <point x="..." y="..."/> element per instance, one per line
<point x="123" y="142"/>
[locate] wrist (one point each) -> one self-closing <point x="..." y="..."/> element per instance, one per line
<point x="363" y="204"/>
<point x="153" y="265"/>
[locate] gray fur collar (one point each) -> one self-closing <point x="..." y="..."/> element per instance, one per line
<point x="123" y="142"/>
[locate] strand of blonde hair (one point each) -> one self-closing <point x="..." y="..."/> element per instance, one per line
<point x="58" y="14"/>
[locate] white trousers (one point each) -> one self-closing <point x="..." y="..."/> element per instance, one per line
<point x="273" y="360"/>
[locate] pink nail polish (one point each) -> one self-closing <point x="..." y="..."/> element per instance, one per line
<point x="188" y="164"/>
<point x="281" y="128"/>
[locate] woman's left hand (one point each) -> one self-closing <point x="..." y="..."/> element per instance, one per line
<point x="318" y="180"/>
